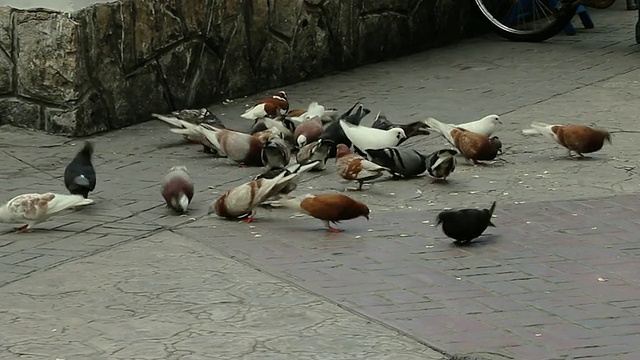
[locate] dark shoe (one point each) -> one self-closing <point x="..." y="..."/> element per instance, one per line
<point x="632" y="5"/>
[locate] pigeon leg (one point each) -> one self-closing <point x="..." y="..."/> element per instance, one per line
<point x="335" y="230"/>
<point x="22" y="229"/>
<point x="242" y="165"/>
<point x="248" y="219"/>
<point x="478" y="163"/>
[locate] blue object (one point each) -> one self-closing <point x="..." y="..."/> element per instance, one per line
<point x="584" y="17"/>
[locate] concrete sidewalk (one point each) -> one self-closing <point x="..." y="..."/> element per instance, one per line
<point x="557" y="279"/>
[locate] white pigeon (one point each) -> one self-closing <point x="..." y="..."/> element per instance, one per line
<point x="367" y="138"/>
<point x="485" y="126"/>
<point x="243" y="200"/>
<point x="313" y="110"/>
<point x="36" y="208"/>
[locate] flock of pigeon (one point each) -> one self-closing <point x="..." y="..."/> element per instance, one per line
<point x="311" y="136"/>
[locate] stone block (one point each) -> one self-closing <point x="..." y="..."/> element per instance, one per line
<point x="6" y="73"/>
<point x="46" y="58"/>
<point x="60" y="121"/>
<point x="6" y="28"/>
<point x="21" y="113"/>
<point x="112" y="64"/>
<point x="6" y="48"/>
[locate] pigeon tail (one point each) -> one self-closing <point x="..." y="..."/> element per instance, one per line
<point x="171" y="120"/>
<point x="292" y="203"/>
<point x="541" y="129"/>
<point x="314" y="110"/>
<point x="210" y="133"/>
<point x="62" y="202"/>
<point x="491" y="210"/>
<point x="306" y="167"/>
<point x="442" y="128"/>
<point x="254" y="112"/>
<point x="87" y="150"/>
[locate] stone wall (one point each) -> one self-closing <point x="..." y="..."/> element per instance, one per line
<point x="112" y="64"/>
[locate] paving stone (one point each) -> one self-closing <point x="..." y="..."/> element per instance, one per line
<point x="561" y="263"/>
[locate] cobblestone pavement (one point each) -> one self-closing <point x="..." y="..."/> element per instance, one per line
<point x="557" y="279"/>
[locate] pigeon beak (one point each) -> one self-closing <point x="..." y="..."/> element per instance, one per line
<point x="491" y="224"/>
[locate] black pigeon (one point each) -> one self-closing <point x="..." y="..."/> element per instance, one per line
<point x="80" y="176"/>
<point x="333" y="131"/>
<point x="466" y="224"/>
<point x="401" y="162"/>
<point x="413" y="129"/>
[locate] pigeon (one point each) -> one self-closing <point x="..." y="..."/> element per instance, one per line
<point x="355" y="117"/>
<point x="276" y="154"/>
<point x="485" y="126"/>
<point x="300" y="115"/>
<point x="293" y="183"/>
<point x="466" y="224"/>
<point x="333" y="130"/>
<point x="274" y="106"/>
<point x="242" y="148"/>
<point x="79" y="175"/>
<point x="364" y="138"/>
<point x="410" y="130"/>
<point x="576" y="138"/>
<point x="186" y="123"/>
<point x="330" y="208"/>
<point x="316" y="151"/>
<point x="476" y="147"/>
<point x="401" y="162"/>
<point x="352" y="166"/>
<point x="242" y="201"/>
<point x="441" y="164"/>
<point x="177" y="189"/>
<point x="308" y="131"/>
<point x="36" y="208"/>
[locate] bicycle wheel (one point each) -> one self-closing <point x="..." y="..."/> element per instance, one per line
<point x="528" y="20"/>
<point x="598" y="4"/>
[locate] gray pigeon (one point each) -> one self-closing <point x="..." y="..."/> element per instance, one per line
<point x="441" y="164"/>
<point x="276" y="154"/>
<point x="402" y="162"/>
<point x="316" y="151"/>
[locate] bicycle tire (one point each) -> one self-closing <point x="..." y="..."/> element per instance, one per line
<point x="561" y="19"/>
<point x="598" y="4"/>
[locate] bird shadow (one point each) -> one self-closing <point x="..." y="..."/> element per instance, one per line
<point x="482" y="240"/>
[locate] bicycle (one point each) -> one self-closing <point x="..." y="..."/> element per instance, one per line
<point x="533" y="20"/>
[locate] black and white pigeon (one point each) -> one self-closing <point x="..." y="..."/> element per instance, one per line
<point x="333" y="131"/>
<point x="79" y="175"/>
<point x="401" y="162"/>
<point x="319" y="151"/>
<point x="364" y="138"/>
<point x="441" y="164"/>
<point x="410" y="130"/>
<point x="466" y="224"/>
<point x="276" y="153"/>
<point x="291" y="185"/>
